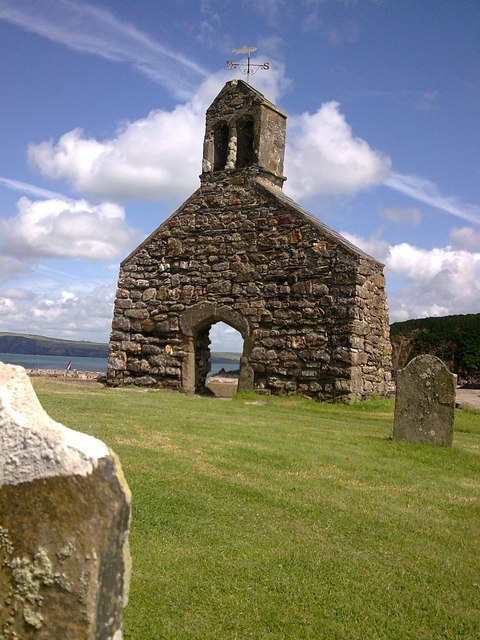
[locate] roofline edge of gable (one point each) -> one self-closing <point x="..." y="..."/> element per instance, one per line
<point x="163" y="224"/>
<point x="309" y="217"/>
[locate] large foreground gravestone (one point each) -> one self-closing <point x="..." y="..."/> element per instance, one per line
<point x="64" y="517"/>
<point x="425" y="402"/>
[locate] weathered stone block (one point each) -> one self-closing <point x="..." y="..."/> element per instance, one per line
<point x="145" y="381"/>
<point x="131" y="347"/>
<point x="64" y="516"/>
<point x="117" y="361"/>
<point x="147" y="326"/>
<point x="124" y="303"/>
<point x="425" y="402"/>
<point x="122" y="324"/>
<point x="149" y="294"/>
<point x="139" y="314"/>
<point x="220" y="286"/>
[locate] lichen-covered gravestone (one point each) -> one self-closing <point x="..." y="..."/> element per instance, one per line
<point x="425" y="402"/>
<point x="64" y="518"/>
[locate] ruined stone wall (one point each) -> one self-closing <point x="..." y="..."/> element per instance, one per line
<point x="313" y="308"/>
<point x="370" y="342"/>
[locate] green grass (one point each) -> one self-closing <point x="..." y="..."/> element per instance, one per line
<point x="288" y="518"/>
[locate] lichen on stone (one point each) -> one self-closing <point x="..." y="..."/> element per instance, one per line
<point x="33" y="618"/>
<point x="65" y="552"/>
<point x="6" y="546"/>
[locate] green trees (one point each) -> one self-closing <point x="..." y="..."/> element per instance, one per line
<point x="454" y="339"/>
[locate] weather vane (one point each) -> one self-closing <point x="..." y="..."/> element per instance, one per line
<point x="250" y="69"/>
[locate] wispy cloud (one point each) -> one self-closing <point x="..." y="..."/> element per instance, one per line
<point x="94" y="30"/>
<point x="409" y="215"/>
<point x="427" y="192"/>
<point x="420" y="100"/>
<point x="31" y="189"/>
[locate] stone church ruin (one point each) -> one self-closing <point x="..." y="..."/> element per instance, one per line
<point x="310" y="306"/>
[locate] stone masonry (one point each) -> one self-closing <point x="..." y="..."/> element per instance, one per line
<point x="311" y="307"/>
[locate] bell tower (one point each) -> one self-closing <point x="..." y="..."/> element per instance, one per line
<point x="244" y="132"/>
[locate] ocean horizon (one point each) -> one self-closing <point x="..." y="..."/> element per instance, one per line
<point x="79" y="363"/>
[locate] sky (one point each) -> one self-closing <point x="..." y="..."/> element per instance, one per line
<point x="102" y="116"/>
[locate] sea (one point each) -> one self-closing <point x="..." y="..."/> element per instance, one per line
<point x="85" y="364"/>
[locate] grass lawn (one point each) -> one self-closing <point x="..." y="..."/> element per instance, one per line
<point x="288" y="519"/>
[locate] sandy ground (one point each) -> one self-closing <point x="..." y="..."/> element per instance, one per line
<point x="468" y="398"/>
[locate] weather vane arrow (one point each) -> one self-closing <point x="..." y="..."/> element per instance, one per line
<point x="250" y="69"/>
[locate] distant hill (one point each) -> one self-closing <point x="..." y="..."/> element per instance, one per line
<point x="226" y="356"/>
<point x="453" y="339"/>
<point x="43" y="346"/>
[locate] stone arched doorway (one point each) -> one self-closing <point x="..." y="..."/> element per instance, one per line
<point x="195" y="324"/>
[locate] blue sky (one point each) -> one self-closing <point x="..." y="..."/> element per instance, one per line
<point x="102" y="119"/>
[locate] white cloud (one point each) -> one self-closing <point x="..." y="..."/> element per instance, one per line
<point x="427" y="100"/>
<point x="409" y="215"/>
<point x="347" y="32"/>
<point x="156" y="157"/>
<point x="465" y="238"/>
<point x="93" y="30"/>
<point x="67" y="315"/>
<point x="375" y="246"/>
<point x="159" y="156"/>
<point x="225" y="338"/>
<point x="426" y="282"/>
<point x="428" y="192"/>
<point x="7" y="308"/>
<point x="10" y="265"/>
<point x="66" y="229"/>
<point x="440" y="281"/>
<point x="152" y="158"/>
<point x="17" y="294"/>
<point x="324" y="158"/>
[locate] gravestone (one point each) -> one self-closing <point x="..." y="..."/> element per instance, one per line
<point x="425" y="402"/>
<point x="64" y="518"/>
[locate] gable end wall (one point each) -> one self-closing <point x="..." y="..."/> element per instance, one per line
<point x="313" y="311"/>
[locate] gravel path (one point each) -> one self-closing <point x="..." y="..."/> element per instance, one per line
<point x="468" y="398"/>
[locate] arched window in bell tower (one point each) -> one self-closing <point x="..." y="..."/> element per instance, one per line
<point x="245" y="142"/>
<point x="220" y="146"/>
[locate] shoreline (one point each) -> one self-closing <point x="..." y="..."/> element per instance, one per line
<point x="219" y="385"/>
<point x="61" y="374"/>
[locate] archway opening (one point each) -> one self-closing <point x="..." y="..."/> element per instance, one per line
<point x="218" y="348"/>
<point x="196" y="322"/>
<point x="220" y="142"/>
<point x="245" y="143"/>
